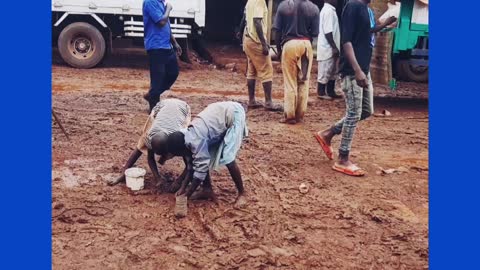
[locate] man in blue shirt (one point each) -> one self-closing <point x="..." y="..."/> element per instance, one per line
<point x="161" y="46"/>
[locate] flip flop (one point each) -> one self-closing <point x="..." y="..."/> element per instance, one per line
<point x="325" y="97"/>
<point x="352" y="170"/>
<point x="275" y="108"/>
<point x="327" y="149"/>
<point x="255" y="105"/>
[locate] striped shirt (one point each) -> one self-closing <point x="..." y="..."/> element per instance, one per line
<point x="169" y="115"/>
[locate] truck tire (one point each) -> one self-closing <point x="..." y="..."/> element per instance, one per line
<point x="81" y="45"/>
<point x="409" y="73"/>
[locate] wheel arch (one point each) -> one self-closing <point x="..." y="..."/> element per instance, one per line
<point x="62" y="20"/>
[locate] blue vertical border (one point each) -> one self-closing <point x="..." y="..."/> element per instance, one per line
<point x="454" y="135"/>
<point x="26" y="135"/>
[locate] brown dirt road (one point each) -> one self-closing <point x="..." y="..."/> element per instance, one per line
<point x="375" y="222"/>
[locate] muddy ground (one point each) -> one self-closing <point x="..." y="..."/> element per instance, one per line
<point x="376" y="222"/>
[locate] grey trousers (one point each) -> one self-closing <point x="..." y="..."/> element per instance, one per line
<point x="359" y="106"/>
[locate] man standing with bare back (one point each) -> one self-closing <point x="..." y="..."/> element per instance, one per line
<point x="296" y="24"/>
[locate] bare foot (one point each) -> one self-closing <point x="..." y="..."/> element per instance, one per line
<point x="327" y="136"/>
<point x="289" y="121"/>
<point x="203" y="194"/>
<point x="270" y="106"/>
<point x="254" y="105"/>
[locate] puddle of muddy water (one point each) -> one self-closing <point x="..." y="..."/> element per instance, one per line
<point x="69" y="179"/>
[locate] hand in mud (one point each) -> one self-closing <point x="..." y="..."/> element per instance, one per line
<point x="119" y="180"/>
<point x="180" y="192"/>
<point x="159" y="182"/>
<point x="175" y="186"/>
<point x="241" y="202"/>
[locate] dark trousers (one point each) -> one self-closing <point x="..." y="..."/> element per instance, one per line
<point x="163" y="73"/>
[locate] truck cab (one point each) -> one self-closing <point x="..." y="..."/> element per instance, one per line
<point x="410" y="43"/>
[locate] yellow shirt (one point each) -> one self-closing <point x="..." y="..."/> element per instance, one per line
<point x="256" y="9"/>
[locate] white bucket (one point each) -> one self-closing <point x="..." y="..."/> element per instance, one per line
<point x="135" y="178"/>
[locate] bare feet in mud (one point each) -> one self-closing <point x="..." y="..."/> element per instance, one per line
<point x="270" y="106"/>
<point x="204" y="194"/>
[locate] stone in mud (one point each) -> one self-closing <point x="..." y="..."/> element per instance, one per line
<point x="232" y="67"/>
<point x="281" y="252"/>
<point x="256" y="252"/>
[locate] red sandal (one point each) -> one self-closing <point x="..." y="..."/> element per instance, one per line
<point x="352" y="170"/>
<point x="327" y="149"/>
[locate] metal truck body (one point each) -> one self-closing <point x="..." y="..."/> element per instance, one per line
<point x="410" y="44"/>
<point x="84" y="29"/>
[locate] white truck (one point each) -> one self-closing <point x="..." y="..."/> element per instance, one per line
<point x="84" y="30"/>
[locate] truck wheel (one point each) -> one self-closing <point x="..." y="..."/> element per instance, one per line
<point x="410" y="73"/>
<point x="81" y="45"/>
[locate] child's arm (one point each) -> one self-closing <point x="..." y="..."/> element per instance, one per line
<point x="153" y="167"/>
<point x="166" y="16"/>
<point x="380" y="26"/>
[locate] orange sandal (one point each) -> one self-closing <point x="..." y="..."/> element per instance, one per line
<point x="352" y="170"/>
<point x="325" y="147"/>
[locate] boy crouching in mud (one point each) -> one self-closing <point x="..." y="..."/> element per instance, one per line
<point x="168" y="116"/>
<point x="212" y="139"/>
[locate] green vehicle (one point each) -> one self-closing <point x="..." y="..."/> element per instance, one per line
<point x="410" y="42"/>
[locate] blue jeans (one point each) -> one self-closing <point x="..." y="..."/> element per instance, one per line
<point x="359" y="103"/>
<point x="163" y="73"/>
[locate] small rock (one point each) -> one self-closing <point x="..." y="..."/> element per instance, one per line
<point x="256" y="252"/>
<point x="89" y="243"/>
<point x="398" y="170"/>
<point x="388" y="171"/>
<point x="58" y="206"/>
<point x="232" y="67"/>
<point x="303" y="188"/>
<point x="281" y="252"/>
<point x="82" y="221"/>
<point x="290" y="237"/>
<point x="386" y="113"/>
<point x="179" y="249"/>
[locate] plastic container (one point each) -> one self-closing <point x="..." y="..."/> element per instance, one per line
<point x="181" y="206"/>
<point x="135" y="178"/>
